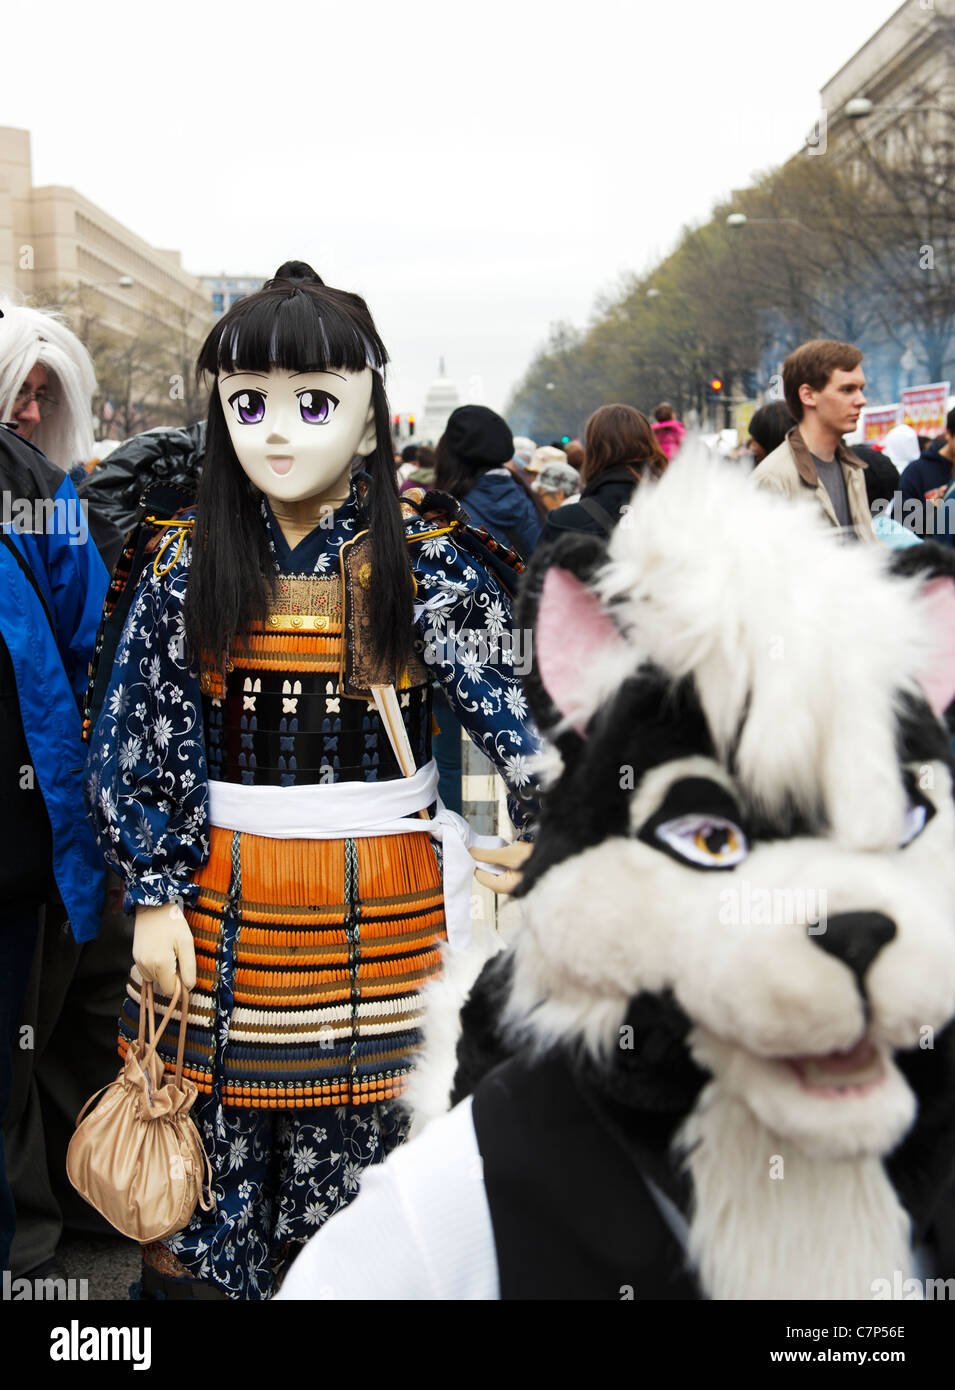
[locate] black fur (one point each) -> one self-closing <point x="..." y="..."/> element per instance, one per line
<point x="651" y="721"/>
<point x="651" y="1071"/>
<point x="933" y="560"/>
<point x="922" y="1168"/>
<point x="482" y="1046"/>
<point x="919" y="736"/>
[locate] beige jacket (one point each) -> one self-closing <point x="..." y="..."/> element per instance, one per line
<point x="789" y="470"/>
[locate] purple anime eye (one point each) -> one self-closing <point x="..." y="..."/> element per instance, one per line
<point x="249" y="407"/>
<point x="317" y="407"/>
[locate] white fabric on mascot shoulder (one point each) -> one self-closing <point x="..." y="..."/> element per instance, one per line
<point x="420" y="1229"/>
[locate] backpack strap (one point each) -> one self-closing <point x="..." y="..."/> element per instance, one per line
<point x="602" y="517"/>
<point x="31" y="578"/>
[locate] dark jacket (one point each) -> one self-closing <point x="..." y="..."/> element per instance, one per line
<point x="922" y="484"/>
<point x="173" y="456"/>
<point x="49" y="632"/>
<point x="499" y="503"/>
<point x="611" y="490"/>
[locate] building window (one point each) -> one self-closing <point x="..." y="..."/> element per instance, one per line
<point x="217" y="305"/>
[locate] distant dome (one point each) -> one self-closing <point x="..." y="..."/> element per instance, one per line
<point x="441" y="399"/>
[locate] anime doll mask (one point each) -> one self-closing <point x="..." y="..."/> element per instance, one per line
<point x="295" y="434"/>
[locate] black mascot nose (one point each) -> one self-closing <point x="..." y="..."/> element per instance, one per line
<point x="856" y="938"/>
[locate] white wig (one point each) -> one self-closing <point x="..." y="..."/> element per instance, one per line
<point x="31" y="337"/>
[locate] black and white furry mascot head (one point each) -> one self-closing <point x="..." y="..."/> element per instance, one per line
<point x="733" y="983"/>
<point x="754" y="820"/>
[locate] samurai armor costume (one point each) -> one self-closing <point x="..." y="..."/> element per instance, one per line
<point x="311" y="952"/>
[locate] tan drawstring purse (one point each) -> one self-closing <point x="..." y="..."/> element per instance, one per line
<point x="138" y="1158"/>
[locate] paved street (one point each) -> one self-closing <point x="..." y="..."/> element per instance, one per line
<point x="109" y="1264"/>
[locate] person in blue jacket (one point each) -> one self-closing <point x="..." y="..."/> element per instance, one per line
<point x="469" y="464"/>
<point x="53" y="585"/>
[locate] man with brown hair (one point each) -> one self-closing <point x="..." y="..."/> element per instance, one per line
<point x="824" y="383"/>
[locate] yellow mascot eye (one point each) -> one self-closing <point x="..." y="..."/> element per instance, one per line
<point x="720" y="842"/>
<point x="709" y="842"/>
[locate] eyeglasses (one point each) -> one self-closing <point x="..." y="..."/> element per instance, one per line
<point x="45" y="404"/>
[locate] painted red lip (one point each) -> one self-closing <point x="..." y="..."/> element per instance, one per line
<point x="841" y="1073"/>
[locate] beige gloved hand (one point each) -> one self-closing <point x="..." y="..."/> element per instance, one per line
<point x="511" y="856"/>
<point x="161" y="942"/>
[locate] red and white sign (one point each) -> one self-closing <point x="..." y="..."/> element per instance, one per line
<point x="925" y="407"/>
<point x="877" y="422"/>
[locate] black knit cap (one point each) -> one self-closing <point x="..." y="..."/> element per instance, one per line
<point x="479" y="437"/>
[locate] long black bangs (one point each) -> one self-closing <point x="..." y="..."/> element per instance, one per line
<point x="305" y="328"/>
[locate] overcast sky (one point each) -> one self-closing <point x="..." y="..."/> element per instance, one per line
<point x="476" y="171"/>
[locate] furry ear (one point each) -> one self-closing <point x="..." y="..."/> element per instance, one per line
<point x="939" y="596"/>
<point x="572" y="631"/>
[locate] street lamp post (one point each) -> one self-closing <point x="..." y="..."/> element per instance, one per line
<point x="740" y="219"/>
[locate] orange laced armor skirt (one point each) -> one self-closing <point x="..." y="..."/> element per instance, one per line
<point x="311" y="955"/>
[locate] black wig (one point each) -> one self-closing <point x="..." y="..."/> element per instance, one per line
<point x="297" y="324"/>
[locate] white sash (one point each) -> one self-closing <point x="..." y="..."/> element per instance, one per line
<point x="353" y="810"/>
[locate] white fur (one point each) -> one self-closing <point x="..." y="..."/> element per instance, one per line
<point x="801" y="1229"/>
<point x="622" y="917"/>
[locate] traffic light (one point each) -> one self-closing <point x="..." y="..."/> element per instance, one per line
<point x="396" y="427"/>
<point x="410" y="426"/>
<point x="565" y="439"/>
<point x="716" y="386"/>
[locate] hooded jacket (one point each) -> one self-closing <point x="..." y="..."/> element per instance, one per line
<point x="500" y="504"/>
<point x="49" y="632"/>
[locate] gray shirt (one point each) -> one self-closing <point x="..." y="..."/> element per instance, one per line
<point x="830" y="475"/>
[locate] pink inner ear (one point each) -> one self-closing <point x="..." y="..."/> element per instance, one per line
<point x="573" y="631"/>
<point x="939" y="683"/>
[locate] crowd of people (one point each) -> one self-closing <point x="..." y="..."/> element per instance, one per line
<point x="901" y="493"/>
<point x="81" y="875"/>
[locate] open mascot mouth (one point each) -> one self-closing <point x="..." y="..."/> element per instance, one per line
<point x="838" y="1075"/>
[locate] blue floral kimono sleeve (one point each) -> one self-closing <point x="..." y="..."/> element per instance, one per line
<point x="466" y="635"/>
<point x="146" y="789"/>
